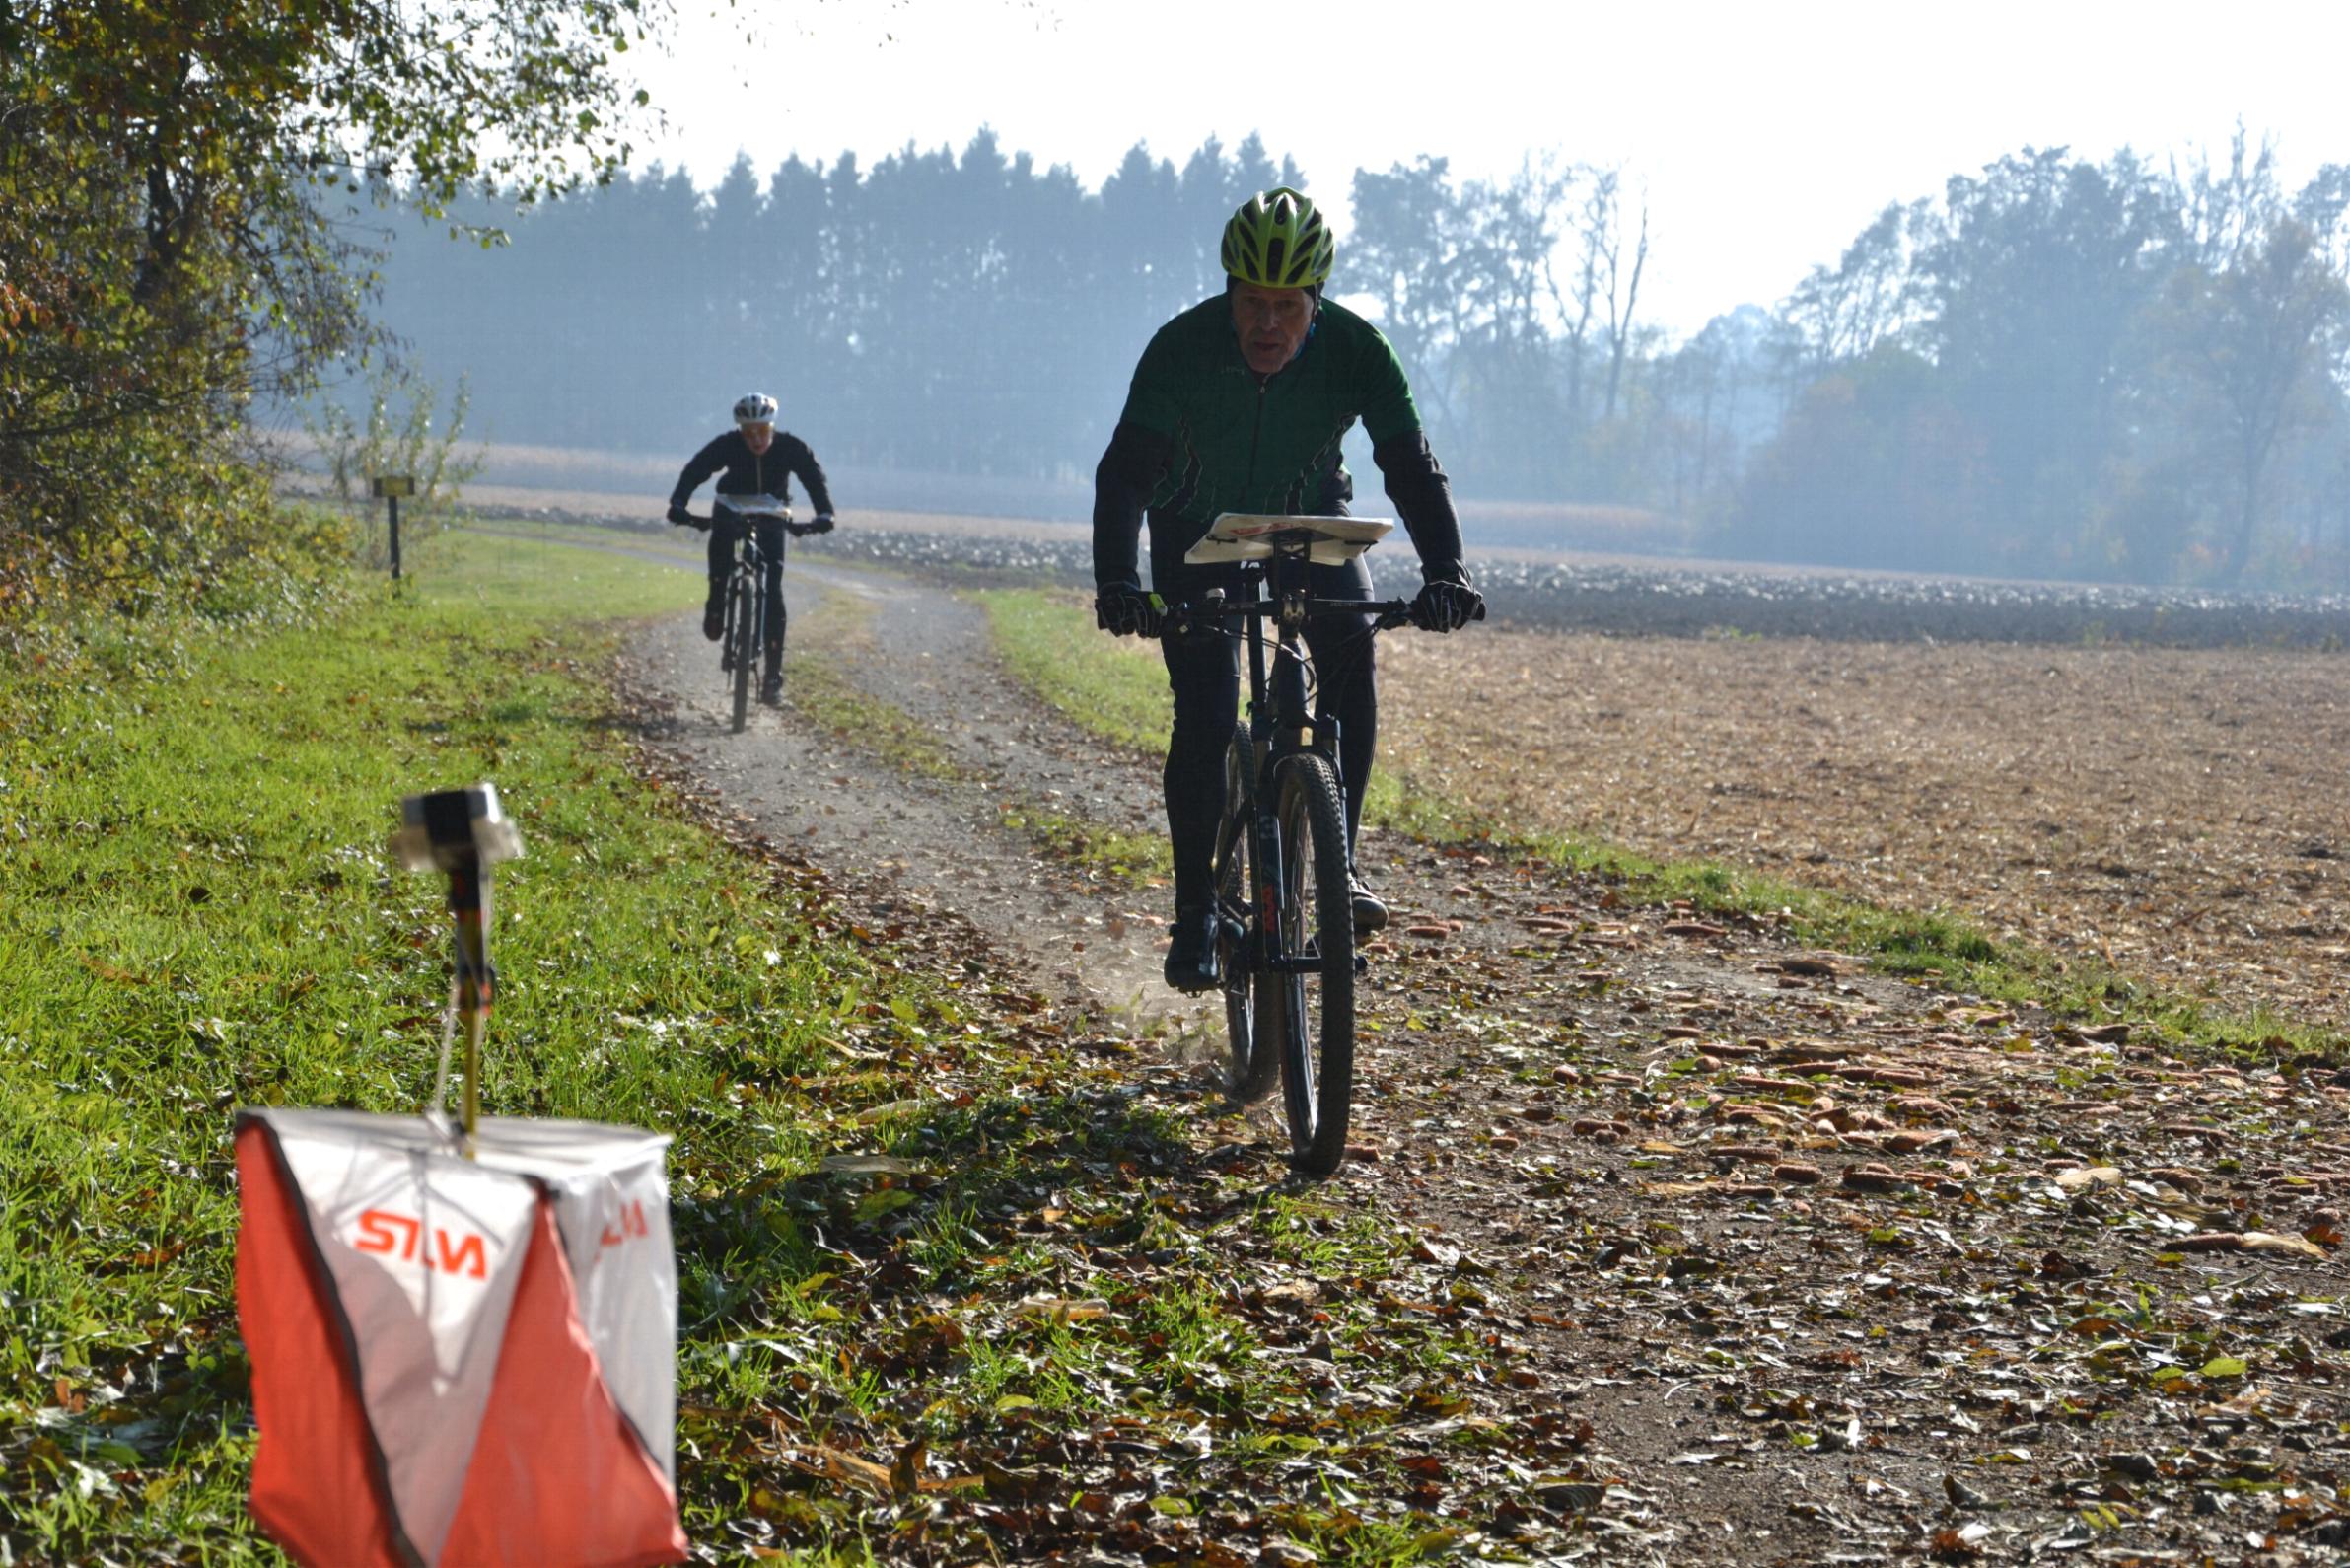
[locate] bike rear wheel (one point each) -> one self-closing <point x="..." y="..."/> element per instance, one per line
<point x="1315" y="998"/>
<point x="775" y="636"/>
<point x="1254" y="1030"/>
<point x="741" y="643"/>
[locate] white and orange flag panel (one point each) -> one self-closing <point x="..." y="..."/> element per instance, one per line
<point x="460" y="1360"/>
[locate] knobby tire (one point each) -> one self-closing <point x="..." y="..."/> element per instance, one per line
<point x="782" y="625"/>
<point x="1254" y="1030"/>
<point x="743" y="643"/>
<point x="1316" y="1009"/>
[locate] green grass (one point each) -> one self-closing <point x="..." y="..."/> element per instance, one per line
<point x="1949" y="949"/>
<point x="689" y="549"/>
<point x="197" y="914"/>
<point x="1114" y="686"/>
<point x="1139" y="858"/>
<point x="1116" y="689"/>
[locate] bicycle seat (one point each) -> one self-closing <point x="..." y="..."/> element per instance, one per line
<point x="754" y="506"/>
<point x="1249" y="536"/>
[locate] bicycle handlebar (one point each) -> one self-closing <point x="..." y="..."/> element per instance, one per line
<point x="1386" y="613"/>
<point x="791" y="525"/>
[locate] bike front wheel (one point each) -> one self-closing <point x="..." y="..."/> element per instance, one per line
<point x="1254" y="1030"/>
<point x="741" y="645"/>
<point x="1313" y="986"/>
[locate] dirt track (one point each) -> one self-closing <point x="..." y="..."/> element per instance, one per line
<point x="1806" y="1265"/>
<point x="905" y="840"/>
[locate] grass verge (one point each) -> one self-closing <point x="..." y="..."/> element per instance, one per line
<point x="199" y="914"/>
<point x="1113" y="686"/>
<point x="1115" y="689"/>
<point x="944" y="1267"/>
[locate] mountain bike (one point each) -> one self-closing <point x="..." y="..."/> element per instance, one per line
<point x="1286" y="944"/>
<point x="745" y="637"/>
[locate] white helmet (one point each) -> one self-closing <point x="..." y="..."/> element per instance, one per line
<point x="755" y="408"/>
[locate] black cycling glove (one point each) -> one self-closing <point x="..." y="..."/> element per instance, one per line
<point x="1123" y="610"/>
<point x="1445" y="601"/>
<point x="685" y="519"/>
<point x="822" y="524"/>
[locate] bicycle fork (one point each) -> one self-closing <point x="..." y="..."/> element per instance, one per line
<point x="726" y="643"/>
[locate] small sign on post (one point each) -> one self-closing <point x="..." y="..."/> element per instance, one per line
<point x="390" y="487"/>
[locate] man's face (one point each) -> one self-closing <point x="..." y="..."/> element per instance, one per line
<point x="760" y="438"/>
<point x="1271" y="322"/>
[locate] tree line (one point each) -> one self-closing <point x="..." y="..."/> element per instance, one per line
<point x="182" y="190"/>
<point x="2056" y="367"/>
<point x="2071" y="367"/>
<point x="977" y="314"/>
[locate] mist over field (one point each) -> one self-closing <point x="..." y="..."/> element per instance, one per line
<point x="2119" y="371"/>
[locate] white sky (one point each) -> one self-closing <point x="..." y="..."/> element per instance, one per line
<point x="1764" y="134"/>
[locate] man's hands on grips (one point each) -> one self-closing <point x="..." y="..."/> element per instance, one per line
<point x="1123" y="610"/>
<point x="685" y="519"/>
<point x="1446" y="602"/>
<point x="821" y="523"/>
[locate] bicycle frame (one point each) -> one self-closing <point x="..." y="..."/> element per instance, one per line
<point x="1281" y="722"/>
<point x="1287" y="920"/>
<point x="750" y="566"/>
<point x="1286" y="946"/>
<point x="744" y="633"/>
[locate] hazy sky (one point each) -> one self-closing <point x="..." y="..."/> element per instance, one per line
<point x="1763" y="134"/>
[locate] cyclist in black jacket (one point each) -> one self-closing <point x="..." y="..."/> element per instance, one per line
<point x="753" y="459"/>
<point x="1239" y="405"/>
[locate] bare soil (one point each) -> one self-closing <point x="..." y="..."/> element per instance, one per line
<point x="1778" y="1261"/>
<point x="2181" y="813"/>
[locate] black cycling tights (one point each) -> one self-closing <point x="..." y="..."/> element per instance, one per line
<point x="723" y="533"/>
<point x="1203" y="671"/>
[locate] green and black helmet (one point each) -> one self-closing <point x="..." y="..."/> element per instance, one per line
<point x="1278" y="241"/>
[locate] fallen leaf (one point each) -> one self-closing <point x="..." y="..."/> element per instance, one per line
<point x="1062" y="1309"/>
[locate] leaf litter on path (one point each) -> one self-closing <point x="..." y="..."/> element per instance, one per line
<point x="1681" y="1245"/>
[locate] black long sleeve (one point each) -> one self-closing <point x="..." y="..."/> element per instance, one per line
<point x="1122" y="483"/>
<point x="1423" y="498"/>
<point x="801" y="459"/>
<point x="703" y="464"/>
<point x="743" y="471"/>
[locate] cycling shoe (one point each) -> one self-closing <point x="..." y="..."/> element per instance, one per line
<point x="1191" y="951"/>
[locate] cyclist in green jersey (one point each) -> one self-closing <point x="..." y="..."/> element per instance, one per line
<point x="1238" y="405"/>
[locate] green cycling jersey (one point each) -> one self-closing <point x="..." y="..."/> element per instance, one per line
<point x="1202" y="433"/>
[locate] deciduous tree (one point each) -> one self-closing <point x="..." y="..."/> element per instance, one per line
<point x="177" y="183"/>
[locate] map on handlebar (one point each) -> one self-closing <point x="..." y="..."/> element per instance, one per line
<point x="1248" y="537"/>
<point x="754" y="506"/>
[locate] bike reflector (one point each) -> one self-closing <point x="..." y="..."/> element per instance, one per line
<point x="454" y="1360"/>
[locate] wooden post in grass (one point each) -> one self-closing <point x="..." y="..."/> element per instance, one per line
<point x="391" y="487"/>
